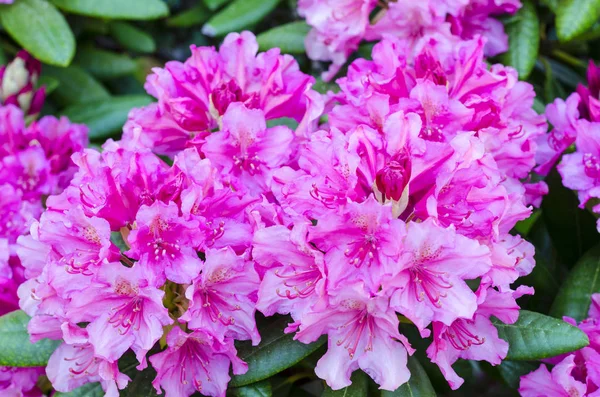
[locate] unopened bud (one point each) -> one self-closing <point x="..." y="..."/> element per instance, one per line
<point x="18" y="81"/>
<point x="392" y="179"/>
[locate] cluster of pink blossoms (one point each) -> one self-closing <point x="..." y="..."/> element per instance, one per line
<point x="573" y="374"/>
<point x="400" y="205"/>
<point x="34" y="163"/>
<point x="576" y="121"/>
<point x="339" y="26"/>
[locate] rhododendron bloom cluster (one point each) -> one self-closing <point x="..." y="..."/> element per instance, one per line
<point x="573" y="374"/>
<point x="339" y="26"/>
<point x="400" y="206"/>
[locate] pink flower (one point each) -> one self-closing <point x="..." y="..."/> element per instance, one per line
<point x="195" y="362"/>
<point x="246" y="149"/>
<point x="557" y="383"/>
<point x="193" y="96"/>
<point x="163" y="244"/>
<point x="434" y="265"/>
<point x="74" y="365"/>
<point x="223" y="298"/>
<point x="363" y="333"/>
<point x="20" y="381"/>
<point x="124" y="310"/>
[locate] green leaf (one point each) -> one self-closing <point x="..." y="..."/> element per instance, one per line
<point x="115" y="9"/>
<point x="238" y="15"/>
<point x="259" y="389"/>
<point x="511" y="371"/>
<point x="574" y="17"/>
<point x="132" y="38"/>
<point x="87" y="390"/>
<point x="75" y="85"/>
<point x="41" y="29"/>
<point x="289" y="37"/>
<point x="418" y="385"/>
<point x="358" y="388"/>
<point x="196" y="15"/>
<point x="535" y="336"/>
<point x="15" y="348"/>
<point x="285" y="121"/>
<point x="105" y="64"/>
<point x="214" y="4"/>
<point x="524" y="40"/>
<point x="105" y="117"/>
<point x="277" y="351"/>
<point x="574" y="296"/>
<point x="141" y="383"/>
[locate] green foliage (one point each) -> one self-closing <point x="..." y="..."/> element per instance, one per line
<point x="524" y="40"/>
<point x="15" y="348"/>
<point x="39" y="28"/>
<point x="115" y="9"/>
<point x="574" y="17"/>
<point x="289" y="38"/>
<point x="535" y="336"/>
<point x="239" y="15"/>
<point x="358" y="388"/>
<point x="418" y="385"/>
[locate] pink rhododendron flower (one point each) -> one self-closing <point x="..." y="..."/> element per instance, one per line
<point x="20" y="381"/>
<point x="339" y="26"/>
<point x="194" y="96"/>
<point x="18" y="81"/>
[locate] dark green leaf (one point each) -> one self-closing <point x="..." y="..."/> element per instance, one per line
<point x="573" y="230"/>
<point x="511" y="371"/>
<point x="105" y="64"/>
<point x="259" y="389"/>
<point x="88" y="390"/>
<point x="286" y="121"/>
<point x="107" y="116"/>
<point x="418" y="385"/>
<point x="115" y="9"/>
<point x="196" y="15"/>
<point x="524" y="40"/>
<point x="75" y="85"/>
<point x="535" y="336"/>
<point x="15" y="348"/>
<point x="358" y="388"/>
<point x="277" y="351"/>
<point x="574" y="296"/>
<point x="41" y="29"/>
<point x="132" y="38"/>
<point x="238" y="15"/>
<point x="214" y="4"/>
<point x="574" y="17"/>
<point x="141" y="383"/>
<point x="289" y="37"/>
<point x="117" y="239"/>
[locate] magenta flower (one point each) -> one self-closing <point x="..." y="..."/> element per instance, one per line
<point x="434" y="265"/>
<point x="18" y="81"/>
<point x="195" y="362"/>
<point x="223" y="298"/>
<point x="193" y="96"/>
<point x="20" y="381"/>
<point x="124" y="310"/>
<point x="363" y="333"/>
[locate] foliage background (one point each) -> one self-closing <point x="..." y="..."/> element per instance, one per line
<point x="96" y="56"/>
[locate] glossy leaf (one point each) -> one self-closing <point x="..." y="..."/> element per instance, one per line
<point x="535" y="336"/>
<point x="41" y="29"/>
<point x="259" y="389"/>
<point x="132" y="38"/>
<point x="358" y="388"/>
<point x="277" y="351"/>
<point x="196" y="15"/>
<point x="418" y="385"/>
<point x="15" y="348"/>
<point x="289" y="38"/>
<point x="105" y="117"/>
<point x="574" y="296"/>
<point x="115" y="9"/>
<point x="574" y="17"/>
<point x="75" y="85"/>
<point x="238" y="15"/>
<point x="49" y="83"/>
<point x="524" y="40"/>
<point x="87" y="390"/>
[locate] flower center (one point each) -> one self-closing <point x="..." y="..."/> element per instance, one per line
<point x="460" y="337"/>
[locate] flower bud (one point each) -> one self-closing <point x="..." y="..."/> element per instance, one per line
<point x="392" y="179"/>
<point x="17" y="83"/>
